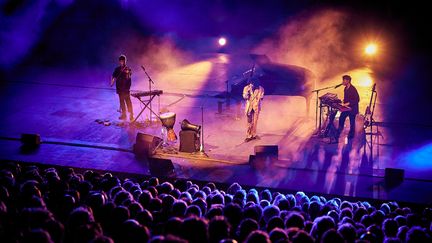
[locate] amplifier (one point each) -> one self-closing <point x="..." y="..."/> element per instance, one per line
<point x="189" y="141"/>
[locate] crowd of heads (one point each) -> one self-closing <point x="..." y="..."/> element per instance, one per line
<point x="62" y="205"/>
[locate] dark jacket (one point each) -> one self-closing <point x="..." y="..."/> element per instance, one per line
<point x="351" y="95"/>
<point x="123" y="80"/>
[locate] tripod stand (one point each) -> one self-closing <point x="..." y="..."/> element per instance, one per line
<point x="202" y="151"/>
<point x="150" y="82"/>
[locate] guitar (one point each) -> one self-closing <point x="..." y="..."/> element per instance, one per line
<point x="368" y="112"/>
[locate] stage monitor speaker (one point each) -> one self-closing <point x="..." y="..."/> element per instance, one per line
<point x="264" y="158"/>
<point x="30" y="140"/>
<point x="145" y="145"/>
<point x="267" y="150"/>
<point x="189" y="141"/>
<point x="253" y="162"/>
<point x="161" y="167"/>
<point x="393" y="177"/>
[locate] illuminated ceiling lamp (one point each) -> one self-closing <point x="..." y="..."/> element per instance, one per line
<point x="222" y="41"/>
<point x="371" y="49"/>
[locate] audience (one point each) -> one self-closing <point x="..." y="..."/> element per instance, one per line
<point x="62" y="205"/>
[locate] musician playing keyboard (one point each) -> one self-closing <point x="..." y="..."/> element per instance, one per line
<point x="351" y="100"/>
<point x="122" y="78"/>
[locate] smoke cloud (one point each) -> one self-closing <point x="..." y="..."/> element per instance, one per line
<point x="157" y="53"/>
<point x="315" y="40"/>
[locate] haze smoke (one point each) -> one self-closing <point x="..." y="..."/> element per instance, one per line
<point x="314" y="40"/>
<point x="157" y="54"/>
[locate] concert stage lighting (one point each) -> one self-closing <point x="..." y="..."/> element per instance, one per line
<point x="365" y="80"/>
<point x="222" y="41"/>
<point x="371" y="49"/>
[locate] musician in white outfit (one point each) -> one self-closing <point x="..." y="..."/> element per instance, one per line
<point x="253" y="93"/>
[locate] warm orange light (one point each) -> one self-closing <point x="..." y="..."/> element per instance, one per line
<point x="371" y="49"/>
<point x="188" y="78"/>
<point x="365" y="81"/>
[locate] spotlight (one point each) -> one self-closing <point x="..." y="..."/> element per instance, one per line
<point x="222" y="41"/>
<point x="365" y="80"/>
<point x="371" y="49"/>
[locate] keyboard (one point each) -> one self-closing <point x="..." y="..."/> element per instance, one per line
<point x="146" y="93"/>
<point x="330" y="99"/>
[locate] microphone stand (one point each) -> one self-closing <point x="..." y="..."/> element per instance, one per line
<point x="150" y="80"/>
<point x="318" y="126"/>
<point x="202" y="152"/>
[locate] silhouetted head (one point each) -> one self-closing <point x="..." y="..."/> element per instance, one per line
<point x="194" y="229"/>
<point x="122" y="60"/>
<point x="294" y="220"/>
<point x="258" y="236"/>
<point x="246" y="227"/>
<point x="332" y="236"/>
<point x="218" y="229"/>
<point x="277" y="235"/>
<point x="346" y="80"/>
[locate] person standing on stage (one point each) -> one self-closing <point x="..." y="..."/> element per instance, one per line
<point x="122" y="78"/>
<point x="351" y="100"/>
<point x="253" y="93"/>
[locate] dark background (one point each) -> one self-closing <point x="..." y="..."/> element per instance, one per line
<point x="73" y="34"/>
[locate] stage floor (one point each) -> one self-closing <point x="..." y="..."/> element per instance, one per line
<point x="65" y="115"/>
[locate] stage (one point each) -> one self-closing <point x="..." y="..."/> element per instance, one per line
<point x="65" y="112"/>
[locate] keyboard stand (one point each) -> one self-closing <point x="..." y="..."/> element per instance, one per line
<point x="146" y="104"/>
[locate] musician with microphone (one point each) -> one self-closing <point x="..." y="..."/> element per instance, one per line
<point x="122" y="78"/>
<point x="351" y="100"/>
<point x="253" y="93"/>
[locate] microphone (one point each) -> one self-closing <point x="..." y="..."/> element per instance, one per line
<point x="142" y="67"/>
<point x="337" y="86"/>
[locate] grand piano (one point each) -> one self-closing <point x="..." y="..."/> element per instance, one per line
<point x="277" y="79"/>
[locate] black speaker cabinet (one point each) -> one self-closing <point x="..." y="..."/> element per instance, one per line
<point x="145" y="145"/>
<point x="264" y="157"/>
<point x="393" y="177"/>
<point x="30" y="140"/>
<point x="189" y="141"/>
<point x="253" y="162"/>
<point x="267" y="150"/>
<point x="161" y="167"/>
